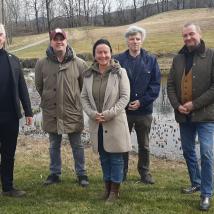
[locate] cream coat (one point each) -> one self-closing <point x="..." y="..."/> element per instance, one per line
<point x="116" y="136"/>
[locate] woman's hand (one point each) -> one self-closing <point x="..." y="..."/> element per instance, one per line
<point x="100" y="118"/>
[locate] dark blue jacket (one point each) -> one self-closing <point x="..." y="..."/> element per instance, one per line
<point x="145" y="85"/>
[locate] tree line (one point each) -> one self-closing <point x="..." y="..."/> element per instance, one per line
<point x="37" y="16"/>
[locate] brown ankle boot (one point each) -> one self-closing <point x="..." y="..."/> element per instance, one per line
<point x="114" y="193"/>
<point x="107" y="190"/>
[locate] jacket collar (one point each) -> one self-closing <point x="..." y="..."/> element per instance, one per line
<point x="200" y="50"/>
<point x="142" y="52"/>
<point x="69" y="55"/>
<point x="113" y="68"/>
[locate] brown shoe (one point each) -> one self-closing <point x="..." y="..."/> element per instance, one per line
<point x="114" y="193"/>
<point x="107" y="190"/>
<point x="14" y="193"/>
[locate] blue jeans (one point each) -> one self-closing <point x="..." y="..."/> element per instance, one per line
<point x="77" y="149"/>
<point x="205" y="131"/>
<point x="112" y="163"/>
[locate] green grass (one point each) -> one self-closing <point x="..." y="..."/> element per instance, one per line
<point x="38" y="51"/>
<point x="67" y="197"/>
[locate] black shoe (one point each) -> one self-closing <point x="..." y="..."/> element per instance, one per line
<point x="52" y="179"/>
<point x="190" y="190"/>
<point x="147" y="179"/>
<point x="14" y="193"/>
<point x="83" y="180"/>
<point x="205" y="203"/>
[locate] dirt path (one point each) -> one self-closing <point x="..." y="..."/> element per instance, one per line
<point x="30" y="45"/>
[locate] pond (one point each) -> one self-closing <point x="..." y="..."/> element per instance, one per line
<point x="164" y="135"/>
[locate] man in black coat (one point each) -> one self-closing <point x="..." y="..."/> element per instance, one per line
<point x="13" y="89"/>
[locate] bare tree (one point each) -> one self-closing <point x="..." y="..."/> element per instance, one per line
<point x="178" y="4"/>
<point x="184" y="4"/>
<point x="167" y="5"/>
<point x="144" y="4"/>
<point x="26" y="8"/>
<point x="121" y="11"/>
<point x="14" y="8"/>
<point x="104" y="6"/>
<point x="69" y="7"/>
<point x="2" y="12"/>
<point x="86" y="6"/>
<point x="36" y="6"/>
<point x="95" y="7"/>
<point x="48" y="11"/>
<point x="210" y="4"/>
<point x="134" y="10"/>
<point x="158" y="6"/>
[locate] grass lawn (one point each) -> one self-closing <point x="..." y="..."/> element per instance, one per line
<point x="67" y="197"/>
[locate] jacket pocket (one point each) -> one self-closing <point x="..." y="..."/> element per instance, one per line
<point x="48" y="99"/>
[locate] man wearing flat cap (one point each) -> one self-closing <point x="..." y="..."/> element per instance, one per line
<point x="13" y="89"/>
<point x="58" y="79"/>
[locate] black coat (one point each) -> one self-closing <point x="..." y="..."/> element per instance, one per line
<point x="20" y="91"/>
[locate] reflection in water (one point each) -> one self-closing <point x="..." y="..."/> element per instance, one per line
<point x="164" y="136"/>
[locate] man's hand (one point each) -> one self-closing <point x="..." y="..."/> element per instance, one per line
<point x="183" y="110"/>
<point x="100" y="118"/>
<point x="134" y="105"/>
<point x="188" y="106"/>
<point x="29" y="121"/>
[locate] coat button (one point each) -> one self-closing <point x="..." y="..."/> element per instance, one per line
<point x="106" y="131"/>
<point x="54" y="89"/>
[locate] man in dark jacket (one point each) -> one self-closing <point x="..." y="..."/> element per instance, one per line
<point x="190" y="90"/>
<point x="13" y="89"/>
<point x="144" y="76"/>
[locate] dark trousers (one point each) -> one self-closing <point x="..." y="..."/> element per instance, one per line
<point x="142" y="126"/>
<point x="8" y="137"/>
<point x="0" y="158"/>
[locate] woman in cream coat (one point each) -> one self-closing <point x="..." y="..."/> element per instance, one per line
<point x="105" y="94"/>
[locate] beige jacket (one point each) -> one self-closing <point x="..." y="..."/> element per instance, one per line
<point x="116" y="136"/>
<point x="59" y="86"/>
